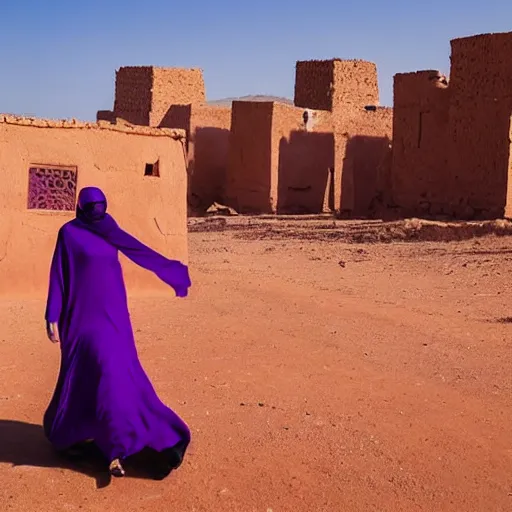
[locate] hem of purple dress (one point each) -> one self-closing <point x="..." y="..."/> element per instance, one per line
<point x="182" y="444"/>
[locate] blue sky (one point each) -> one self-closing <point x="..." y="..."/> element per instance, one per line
<point x="58" y="58"/>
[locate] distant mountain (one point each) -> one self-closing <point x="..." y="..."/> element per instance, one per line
<point x="226" y="102"/>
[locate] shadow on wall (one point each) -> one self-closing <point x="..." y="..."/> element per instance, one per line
<point x="207" y="170"/>
<point x="366" y="176"/>
<point x="178" y="116"/>
<point x="306" y="173"/>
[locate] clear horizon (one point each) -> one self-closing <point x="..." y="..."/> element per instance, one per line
<point x="60" y="58"/>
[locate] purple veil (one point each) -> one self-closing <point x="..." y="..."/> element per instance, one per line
<point x="91" y="214"/>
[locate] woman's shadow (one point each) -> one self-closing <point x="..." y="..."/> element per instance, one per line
<point x="24" y="444"/>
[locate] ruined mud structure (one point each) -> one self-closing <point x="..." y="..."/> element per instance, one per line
<point x="451" y="141"/>
<point x="142" y="171"/>
<point x="325" y="153"/>
<point x="328" y="152"/>
<point x="175" y="98"/>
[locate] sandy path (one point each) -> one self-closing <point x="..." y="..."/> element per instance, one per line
<point x="382" y="383"/>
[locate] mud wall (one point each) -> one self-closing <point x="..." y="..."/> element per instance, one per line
<point x="175" y="86"/>
<point x="178" y="117"/>
<point x="363" y="162"/>
<point x="208" y="155"/>
<point x="508" y="205"/>
<point x="145" y="94"/>
<point x="313" y="84"/>
<point x="292" y="164"/>
<point x="250" y="184"/>
<point x="308" y="161"/>
<point x="208" y="133"/>
<point x="355" y="84"/>
<point x="420" y="134"/>
<point x="105" y="115"/>
<point x="302" y="160"/>
<point x="451" y="148"/>
<point x="336" y="84"/>
<point x="114" y="158"/>
<point x="361" y="169"/>
<point x="480" y="109"/>
<point x="133" y="94"/>
<point x="278" y="163"/>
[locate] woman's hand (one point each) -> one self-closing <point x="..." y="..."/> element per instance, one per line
<point x="52" y="330"/>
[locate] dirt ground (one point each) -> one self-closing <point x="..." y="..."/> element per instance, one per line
<point x="317" y="369"/>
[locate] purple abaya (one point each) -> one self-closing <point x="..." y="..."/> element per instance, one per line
<point x="102" y="391"/>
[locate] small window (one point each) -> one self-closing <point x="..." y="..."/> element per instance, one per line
<point x="152" y="169"/>
<point x="52" y="187"/>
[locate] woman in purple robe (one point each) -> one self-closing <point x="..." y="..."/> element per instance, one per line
<point x="103" y="393"/>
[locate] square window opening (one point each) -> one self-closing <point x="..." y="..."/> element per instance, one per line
<point x="152" y="169"/>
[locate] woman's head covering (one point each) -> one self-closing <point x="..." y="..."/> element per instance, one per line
<point x="91" y="205"/>
<point x="91" y="214"/>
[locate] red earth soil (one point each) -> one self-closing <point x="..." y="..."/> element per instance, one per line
<point x="316" y="373"/>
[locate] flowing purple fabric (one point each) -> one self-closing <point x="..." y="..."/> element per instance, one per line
<point x="102" y="392"/>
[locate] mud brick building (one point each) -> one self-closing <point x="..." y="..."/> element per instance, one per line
<point x="142" y="171"/>
<point x="144" y="95"/>
<point x="451" y="141"/>
<point x="208" y="133"/>
<point x="175" y="98"/>
<point x="276" y="163"/>
<point x="328" y="152"/>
